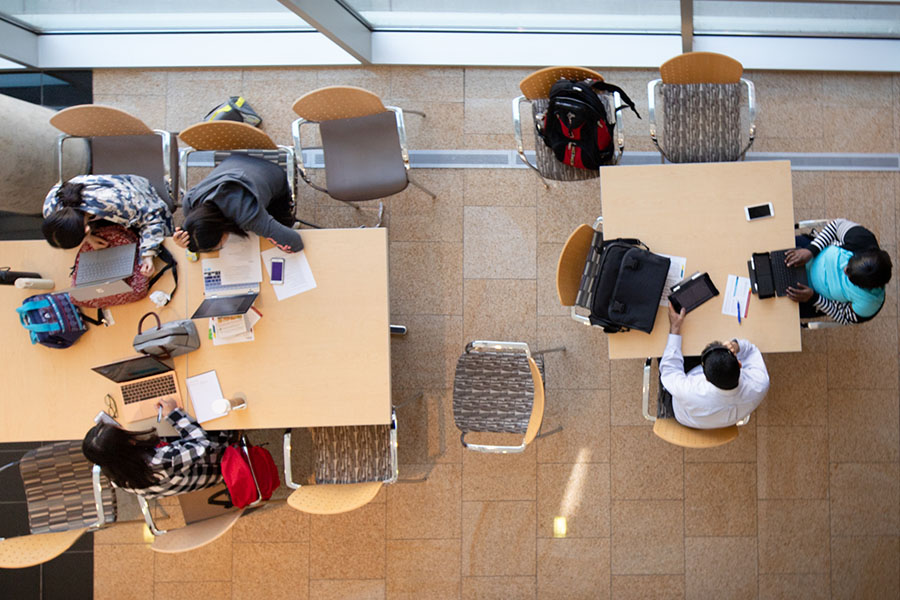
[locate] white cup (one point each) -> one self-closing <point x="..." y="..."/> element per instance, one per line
<point x="223" y="406"/>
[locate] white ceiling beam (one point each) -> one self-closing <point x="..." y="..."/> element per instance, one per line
<point x="18" y="45"/>
<point x="337" y="24"/>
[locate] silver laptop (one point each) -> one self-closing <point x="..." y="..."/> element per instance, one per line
<point x="102" y="272"/>
<point x="142" y="381"/>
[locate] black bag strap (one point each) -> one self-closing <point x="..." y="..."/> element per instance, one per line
<point x="221" y="498"/>
<point x="165" y="256"/>
<point x="98" y="321"/>
<point x="608" y="87"/>
<point x="629" y="241"/>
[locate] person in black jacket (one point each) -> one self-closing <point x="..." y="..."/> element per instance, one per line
<point x="242" y="194"/>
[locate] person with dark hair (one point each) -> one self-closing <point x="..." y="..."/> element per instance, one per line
<point x="142" y="463"/>
<point x="728" y="384"/>
<point x="244" y="193"/>
<point x="129" y="200"/>
<point x="847" y="272"/>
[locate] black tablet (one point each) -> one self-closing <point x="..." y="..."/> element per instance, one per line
<point x="225" y="306"/>
<point x="692" y="292"/>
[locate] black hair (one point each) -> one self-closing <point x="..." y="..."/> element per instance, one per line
<point x="124" y="456"/>
<point x="720" y="366"/>
<point x="206" y="225"/>
<point x="870" y="268"/>
<point x="64" y="227"/>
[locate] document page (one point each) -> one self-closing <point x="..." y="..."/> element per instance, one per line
<point x="204" y="390"/>
<point x="239" y="260"/>
<point x="298" y="276"/>
<point x="737" y="291"/>
<point x="675" y="274"/>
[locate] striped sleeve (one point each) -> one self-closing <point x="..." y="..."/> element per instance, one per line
<point x="842" y="312"/>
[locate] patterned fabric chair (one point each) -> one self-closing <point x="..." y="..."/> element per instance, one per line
<point x="499" y="388"/>
<point x="700" y="95"/>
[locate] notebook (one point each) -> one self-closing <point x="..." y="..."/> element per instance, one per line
<point x="769" y="276"/>
<point x="143" y="380"/>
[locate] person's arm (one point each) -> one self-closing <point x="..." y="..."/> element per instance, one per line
<point x="153" y="218"/>
<point x="193" y="445"/>
<point x="671" y="367"/>
<point x="267" y="227"/>
<point x="846" y="234"/>
<point x="842" y="312"/>
<point x="753" y="367"/>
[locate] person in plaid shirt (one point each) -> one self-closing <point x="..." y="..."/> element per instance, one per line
<point x="142" y="463"/>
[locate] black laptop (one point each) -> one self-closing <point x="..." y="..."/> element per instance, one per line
<point x="769" y="276"/>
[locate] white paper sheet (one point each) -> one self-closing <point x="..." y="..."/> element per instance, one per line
<point x="298" y="276"/>
<point x="204" y="390"/>
<point x="250" y="319"/>
<point x="239" y="260"/>
<point x="737" y="291"/>
<point x="675" y="274"/>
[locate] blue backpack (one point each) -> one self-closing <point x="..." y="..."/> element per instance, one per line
<point x="53" y="320"/>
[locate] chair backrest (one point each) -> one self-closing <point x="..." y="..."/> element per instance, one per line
<point x="701" y="67"/>
<point x="537" y="408"/>
<point x="196" y="535"/>
<point x="226" y="135"/>
<point x="333" y="499"/>
<point x="337" y="102"/>
<point x="675" y="433"/>
<point x="30" y="550"/>
<point x="89" y="120"/>
<point x="570" y="266"/>
<point x="59" y="489"/>
<point x="538" y="84"/>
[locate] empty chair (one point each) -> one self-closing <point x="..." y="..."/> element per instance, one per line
<point x="30" y="550"/>
<point x="121" y="143"/>
<point x="536" y="91"/>
<point x="699" y="95"/>
<point x="351" y="463"/>
<point x="570" y="267"/>
<point x="499" y="388"/>
<point x="364" y="143"/>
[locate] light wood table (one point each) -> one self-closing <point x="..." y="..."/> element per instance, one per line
<point x="697" y="211"/>
<point x="51" y="394"/>
<point x="319" y="358"/>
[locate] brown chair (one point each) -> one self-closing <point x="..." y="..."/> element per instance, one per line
<point x="700" y="94"/>
<point x="363" y="141"/>
<point x="570" y="267"/>
<point x="121" y="144"/>
<point x="536" y="91"/>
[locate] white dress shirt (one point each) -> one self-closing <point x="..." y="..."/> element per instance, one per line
<point x="700" y="404"/>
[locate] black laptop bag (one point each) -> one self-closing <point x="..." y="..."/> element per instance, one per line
<point x="622" y="284"/>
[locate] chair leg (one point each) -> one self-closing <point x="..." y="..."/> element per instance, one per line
<point x="549" y="433"/>
<point x="557" y="349"/>
<point x="420" y="396"/>
<point x="414" y="112"/>
<point x="398" y="330"/>
<point x="422" y="187"/>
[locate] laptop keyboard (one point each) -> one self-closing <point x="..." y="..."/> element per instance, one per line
<point x="212" y="284"/>
<point x="119" y="261"/>
<point x="783" y="275"/>
<point x="164" y="385"/>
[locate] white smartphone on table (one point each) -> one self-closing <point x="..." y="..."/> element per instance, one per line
<point x="276" y="275"/>
<point x="759" y="211"/>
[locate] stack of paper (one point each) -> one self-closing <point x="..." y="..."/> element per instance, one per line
<point x="234" y="329"/>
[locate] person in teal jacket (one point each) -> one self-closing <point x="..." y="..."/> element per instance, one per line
<point x="847" y="272"/>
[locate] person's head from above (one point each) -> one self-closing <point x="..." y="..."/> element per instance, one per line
<point x="720" y="365"/>
<point x="208" y="228"/>
<point x="123" y="455"/>
<point x="67" y="225"/>
<point x="869" y="269"/>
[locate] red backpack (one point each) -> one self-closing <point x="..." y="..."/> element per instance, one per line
<point x="239" y="479"/>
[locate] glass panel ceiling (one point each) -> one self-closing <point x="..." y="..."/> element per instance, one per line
<point x="49" y="16"/>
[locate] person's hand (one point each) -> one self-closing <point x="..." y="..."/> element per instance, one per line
<point x="799" y="293"/>
<point x="675" y="320"/>
<point x="147" y="266"/>
<point x="168" y="405"/>
<point x="96" y="242"/>
<point x="181" y="237"/>
<point x="797" y="257"/>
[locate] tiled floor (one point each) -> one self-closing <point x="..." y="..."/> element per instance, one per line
<point x="804" y="504"/>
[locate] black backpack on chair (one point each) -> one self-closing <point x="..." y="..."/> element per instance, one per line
<point x="576" y="127"/>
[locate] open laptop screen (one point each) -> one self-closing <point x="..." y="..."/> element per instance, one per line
<point x="133" y="368"/>
<point x="225" y="306"/>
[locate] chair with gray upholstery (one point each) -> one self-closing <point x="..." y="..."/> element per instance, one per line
<point x="499" y="388"/>
<point x="700" y="100"/>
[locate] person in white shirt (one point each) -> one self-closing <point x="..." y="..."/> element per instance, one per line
<point x="728" y="384"/>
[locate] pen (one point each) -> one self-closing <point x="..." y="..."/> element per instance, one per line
<point x="159" y="414"/>
<point x="739" y="312"/>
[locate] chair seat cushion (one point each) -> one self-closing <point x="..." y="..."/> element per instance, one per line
<point x="352" y="454"/>
<point x="701" y="122"/>
<point x="363" y="160"/>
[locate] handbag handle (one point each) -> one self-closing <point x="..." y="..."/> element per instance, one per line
<point x="141" y="322"/>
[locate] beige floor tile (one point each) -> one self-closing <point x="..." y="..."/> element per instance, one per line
<point x="809" y="195"/>
<point x="644" y="467"/>
<point x="426" y="356"/>
<point x="720" y="567"/>
<point x="570" y="569"/>
<point x="498" y="538"/>
<point x="578" y="492"/>
<point x="375" y="79"/>
<point x="625" y="383"/>
<point x="426" y="432"/>
<point x="863" y="425"/>
<point x="415" y="216"/>
<point x="493" y="82"/>
<point x="500" y="309"/>
<point x="147" y="82"/>
<point x="648" y="587"/>
<point x="347" y="589"/>
<point x="565" y="206"/>
<point x="189" y="589"/>
<point x="274" y="523"/>
<point x="865" y="498"/>
<point x="799" y="381"/>
<point x="121" y="533"/>
<point x="793" y="586"/>
<point x="863" y="130"/>
<point x="584" y="418"/>
<point x="423" y="569"/>
<point x="793" y="536"/>
<point x="487" y="116"/>
<point x="851" y="364"/>
<point x="191" y="93"/>
<point x="741" y="450"/>
<point x="426" y="278"/>
<point x="647" y="537"/>
<point x="498" y="588"/>
<point x="490" y="141"/>
<point x="442" y="127"/>
<point x="272" y="92"/>
<point x="547" y="299"/>
<point x="865" y="567"/>
<point x="583" y="365"/>
<point x="719" y="499"/>
<point x="124" y="572"/>
<point x="426" y="510"/>
<point x="499" y="187"/>
<point x="435" y="84"/>
<point x="873" y="90"/>
<point x="865" y="199"/>
<point x="209" y="563"/>
<point x="273" y="571"/>
<point x="499" y="242"/>
<point x="349" y="545"/>
<point x="499" y="476"/>
<point x="793" y="462"/>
